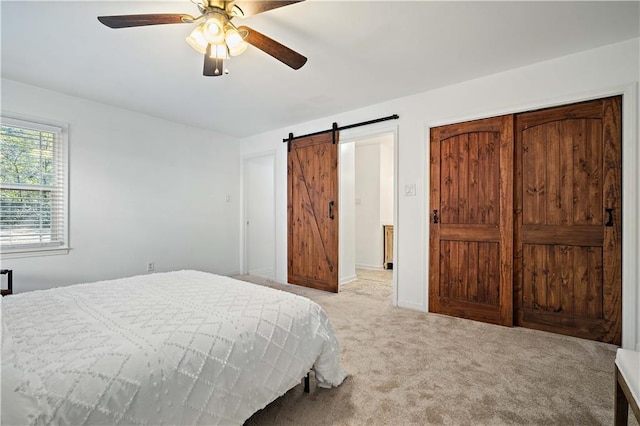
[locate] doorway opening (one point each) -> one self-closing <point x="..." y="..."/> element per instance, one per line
<point x="259" y="216"/>
<point x="367" y="215"/>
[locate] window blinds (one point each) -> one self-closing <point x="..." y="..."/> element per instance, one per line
<point x="32" y="186"/>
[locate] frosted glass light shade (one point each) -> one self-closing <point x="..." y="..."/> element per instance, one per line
<point x="197" y="41"/>
<point x="235" y="42"/>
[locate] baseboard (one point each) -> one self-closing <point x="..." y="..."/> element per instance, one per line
<point x="348" y="279"/>
<point x="410" y="305"/>
<point x="374" y="267"/>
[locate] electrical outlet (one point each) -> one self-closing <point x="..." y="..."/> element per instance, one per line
<point x="150" y="266"/>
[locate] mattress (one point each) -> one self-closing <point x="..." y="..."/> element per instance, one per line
<point x="181" y="347"/>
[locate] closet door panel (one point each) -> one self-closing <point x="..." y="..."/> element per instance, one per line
<point x="567" y="244"/>
<point x="471" y="231"/>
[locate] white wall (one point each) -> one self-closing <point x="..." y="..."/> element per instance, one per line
<point x="141" y="189"/>
<point x="595" y="73"/>
<point x="347" y="219"/>
<point x="368" y="227"/>
<point x="386" y="180"/>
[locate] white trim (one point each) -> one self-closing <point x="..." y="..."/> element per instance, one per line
<point x="410" y="305"/>
<point x="365" y="132"/>
<point x="348" y="279"/>
<point x="630" y="207"/>
<point x="244" y="266"/>
<point x="426" y="197"/>
<point x="28" y="123"/>
<point x="630" y="180"/>
<point x="370" y="267"/>
<point x="34" y="252"/>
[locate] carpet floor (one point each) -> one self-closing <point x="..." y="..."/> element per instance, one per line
<point x="415" y="368"/>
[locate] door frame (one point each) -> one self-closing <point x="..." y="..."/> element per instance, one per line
<point x="244" y="206"/>
<point x="367" y="132"/>
<point x="630" y="199"/>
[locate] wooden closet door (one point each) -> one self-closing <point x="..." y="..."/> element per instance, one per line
<point x="471" y="231"/>
<point x="312" y="209"/>
<point x="568" y="220"/>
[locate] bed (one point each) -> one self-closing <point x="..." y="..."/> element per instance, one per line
<point x="183" y="347"/>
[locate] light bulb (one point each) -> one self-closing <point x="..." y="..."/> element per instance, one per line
<point x="197" y="41"/>
<point x="213" y="31"/>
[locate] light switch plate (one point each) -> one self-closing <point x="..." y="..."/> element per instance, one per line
<point x="410" y="189"/>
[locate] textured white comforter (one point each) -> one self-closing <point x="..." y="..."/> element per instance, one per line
<point x="173" y="348"/>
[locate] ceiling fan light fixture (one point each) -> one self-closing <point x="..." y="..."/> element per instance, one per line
<point x="215" y="36"/>
<point x="235" y="42"/>
<point x="219" y="51"/>
<point x="236" y="11"/>
<point x="213" y="30"/>
<point x="197" y="41"/>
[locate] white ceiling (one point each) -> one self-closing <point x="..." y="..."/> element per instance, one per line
<point x="360" y="53"/>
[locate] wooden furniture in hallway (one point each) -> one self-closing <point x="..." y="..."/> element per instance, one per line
<point x="387" y="231"/>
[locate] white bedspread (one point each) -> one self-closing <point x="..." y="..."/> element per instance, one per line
<point x="173" y="348"/>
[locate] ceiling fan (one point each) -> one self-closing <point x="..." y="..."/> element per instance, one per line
<point x="216" y="36"/>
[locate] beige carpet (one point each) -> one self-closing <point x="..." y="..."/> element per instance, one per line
<point x="409" y="367"/>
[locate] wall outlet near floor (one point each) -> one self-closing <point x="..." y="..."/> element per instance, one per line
<point x="150" y="266"/>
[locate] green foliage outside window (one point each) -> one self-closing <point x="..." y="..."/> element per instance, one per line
<point x="27" y="185"/>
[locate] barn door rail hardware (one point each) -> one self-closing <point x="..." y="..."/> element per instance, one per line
<point x="334" y="129"/>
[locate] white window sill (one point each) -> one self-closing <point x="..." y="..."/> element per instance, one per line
<point x="42" y="251"/>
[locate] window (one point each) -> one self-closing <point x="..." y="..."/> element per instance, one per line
<point x="33" y="187"/>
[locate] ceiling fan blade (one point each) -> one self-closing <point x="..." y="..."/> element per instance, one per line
<point x="250" y="7"/>
<point x="273" y="48"/>
<point x="213" y="67"/>
<point x="126" y="21"/>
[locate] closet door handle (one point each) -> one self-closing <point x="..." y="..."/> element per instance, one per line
<point x="331" y="204"/>
<point x="435" y="216"/>
<point x="609" y="217"/>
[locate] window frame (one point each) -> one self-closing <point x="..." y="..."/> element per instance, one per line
<point x="62" y="146"/>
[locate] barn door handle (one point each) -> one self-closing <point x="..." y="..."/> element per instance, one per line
<point x="331" y="204"/>
<point x="609" y="218"/>
<point x="435" y="216"/>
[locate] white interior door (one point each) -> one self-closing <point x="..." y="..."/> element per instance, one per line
<point x="259" y="218"/>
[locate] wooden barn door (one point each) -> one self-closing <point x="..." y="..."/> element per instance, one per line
<point x="312" y="209"/>
<point x="568" y="220"/>
<point x="471" y="231"/>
